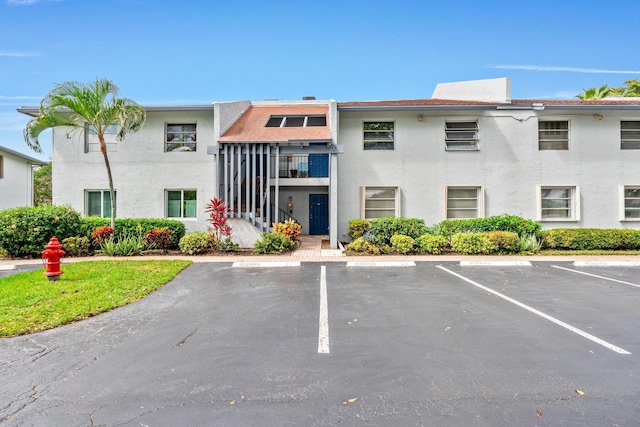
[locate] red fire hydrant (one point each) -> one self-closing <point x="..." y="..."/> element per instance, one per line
<point x="51" y="259"/>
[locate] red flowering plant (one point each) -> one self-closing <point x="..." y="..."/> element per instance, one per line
<point x="158" y="238"/>
<point x="100" y="234"/>
<point x="220" y="230"/>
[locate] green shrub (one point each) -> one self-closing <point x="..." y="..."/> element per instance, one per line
<point x="530" y="243"/>
<point x="25" y="231"/>
<point x="401" y="243"/>
<point x="591" y="239"/>
<point x="382" y="229"/>
<point x="504" y="241"/>
<point x="361" y="245"/>
<point x="472" y="243"/>
<point x="123" y="245"/>
<point x="357" y="228"/>
<point x="130" y="225"/>
<point x="274" y="243"/>
<point x="504" y="222"/>
<point x="430" y="244"/>
<point x="226" y="245"/>
<point x="77" y="246"/>
<point x="195" y="243"/>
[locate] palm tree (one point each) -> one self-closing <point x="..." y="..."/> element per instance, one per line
<point x="596" y="92"/>
<point x="91" y="107"/>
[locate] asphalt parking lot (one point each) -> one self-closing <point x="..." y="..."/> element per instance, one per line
<point x="434" y="344"/>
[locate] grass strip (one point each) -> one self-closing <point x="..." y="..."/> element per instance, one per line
<point x="29" y="302"/>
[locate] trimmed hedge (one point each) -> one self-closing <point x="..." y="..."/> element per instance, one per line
<point x="591" y="239"/>
<point x="382" y="229"/>
<point x="434" y="245"/>
<point x="129" y="226"/>
<point x="26" y="230"/>
<point x="472" y="243"/>
<point x="505" y="222"/>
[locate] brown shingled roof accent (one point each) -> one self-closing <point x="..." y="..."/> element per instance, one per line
<point x="250" y="127"/>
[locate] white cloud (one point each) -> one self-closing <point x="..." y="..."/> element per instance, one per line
<point x="563" y="69"/>
<point x="18" y="54"/>
<point x="18" y="97"/>
<point x="27" y="2"/>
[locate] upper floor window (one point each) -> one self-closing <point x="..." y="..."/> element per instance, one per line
<point x="461" y="135"/>
<point x="630" y="135"/>
<point x="553" y="135"/>
<point x="630" y="209"/>
<point x="379" y="135"/>
<point x="1" y="167"/>
<point x="296" y="121"/>
<point x="92" y="143"/>
<point x="464" y="202"/>
<point x="559" y="203"/>
<point x="98" y="203"/>
<point x="181" y="137"/>
<point x="379" y="202"/>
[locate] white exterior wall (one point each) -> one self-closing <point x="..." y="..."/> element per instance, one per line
<point x="141" y="169"/>
<point x="16" y="187"/>
<point x="508" y="165"/>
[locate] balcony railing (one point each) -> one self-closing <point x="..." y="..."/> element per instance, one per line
<point x="301" y="166"/>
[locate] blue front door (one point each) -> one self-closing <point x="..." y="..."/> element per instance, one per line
<point x="318" y="165"/>
<point x="318" y="214"/>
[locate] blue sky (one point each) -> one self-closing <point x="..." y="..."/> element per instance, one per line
<point x="165" y="52"/>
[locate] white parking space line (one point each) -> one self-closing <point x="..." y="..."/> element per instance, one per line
<point x="266" y="264"/>
<point x="606" y="263"/>
<point x="495" y="264"/>
<point x="323" y="322"/>
<point x="381" y="264"/>
<point x="7" y="267"/>
<point x="541" y="314"/>
<point x="597" y="276"/>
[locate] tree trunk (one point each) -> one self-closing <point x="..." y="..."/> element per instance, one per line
<point x="103" y="149"/>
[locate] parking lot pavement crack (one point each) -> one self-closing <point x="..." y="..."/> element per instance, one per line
<point x="184" y="340"/>
<point x="18" y="403"/>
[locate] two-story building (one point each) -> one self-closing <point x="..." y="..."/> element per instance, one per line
<point x="469" y="151"/>
<point x="16" y="178"/>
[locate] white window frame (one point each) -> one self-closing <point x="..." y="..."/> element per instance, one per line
<point x="92" y="143"/>
<point x="632" y="136"/>
<point x="181" y="140"/>
<point x="363" y="201"/>
<point x="623" y="203"/>
<point x="552" y="140"/>
<point x="104" y="195"/>
<point x="182" y="211"/>
<point x="574" y="208"/>
<point x="461" y="138"/>
<point x="374" y="141"/>
<point x="479" y="209"/>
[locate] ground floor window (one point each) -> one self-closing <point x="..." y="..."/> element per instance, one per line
<point x="464" y="202"/>
<point x="181" y="203"/>
<point x="559" y="203"/>
<point x="98" y="203"/>
<point x="379" y="202"/>
<point x="630" y="197"/>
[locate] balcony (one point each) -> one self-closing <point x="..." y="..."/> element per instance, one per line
<point x="309" y="169"/>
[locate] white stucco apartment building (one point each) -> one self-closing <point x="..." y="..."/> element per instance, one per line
<point x="16" y="178"/>
<point x="469" y="151"/>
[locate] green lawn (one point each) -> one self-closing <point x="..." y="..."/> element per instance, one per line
<point x="29" y="302"/>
